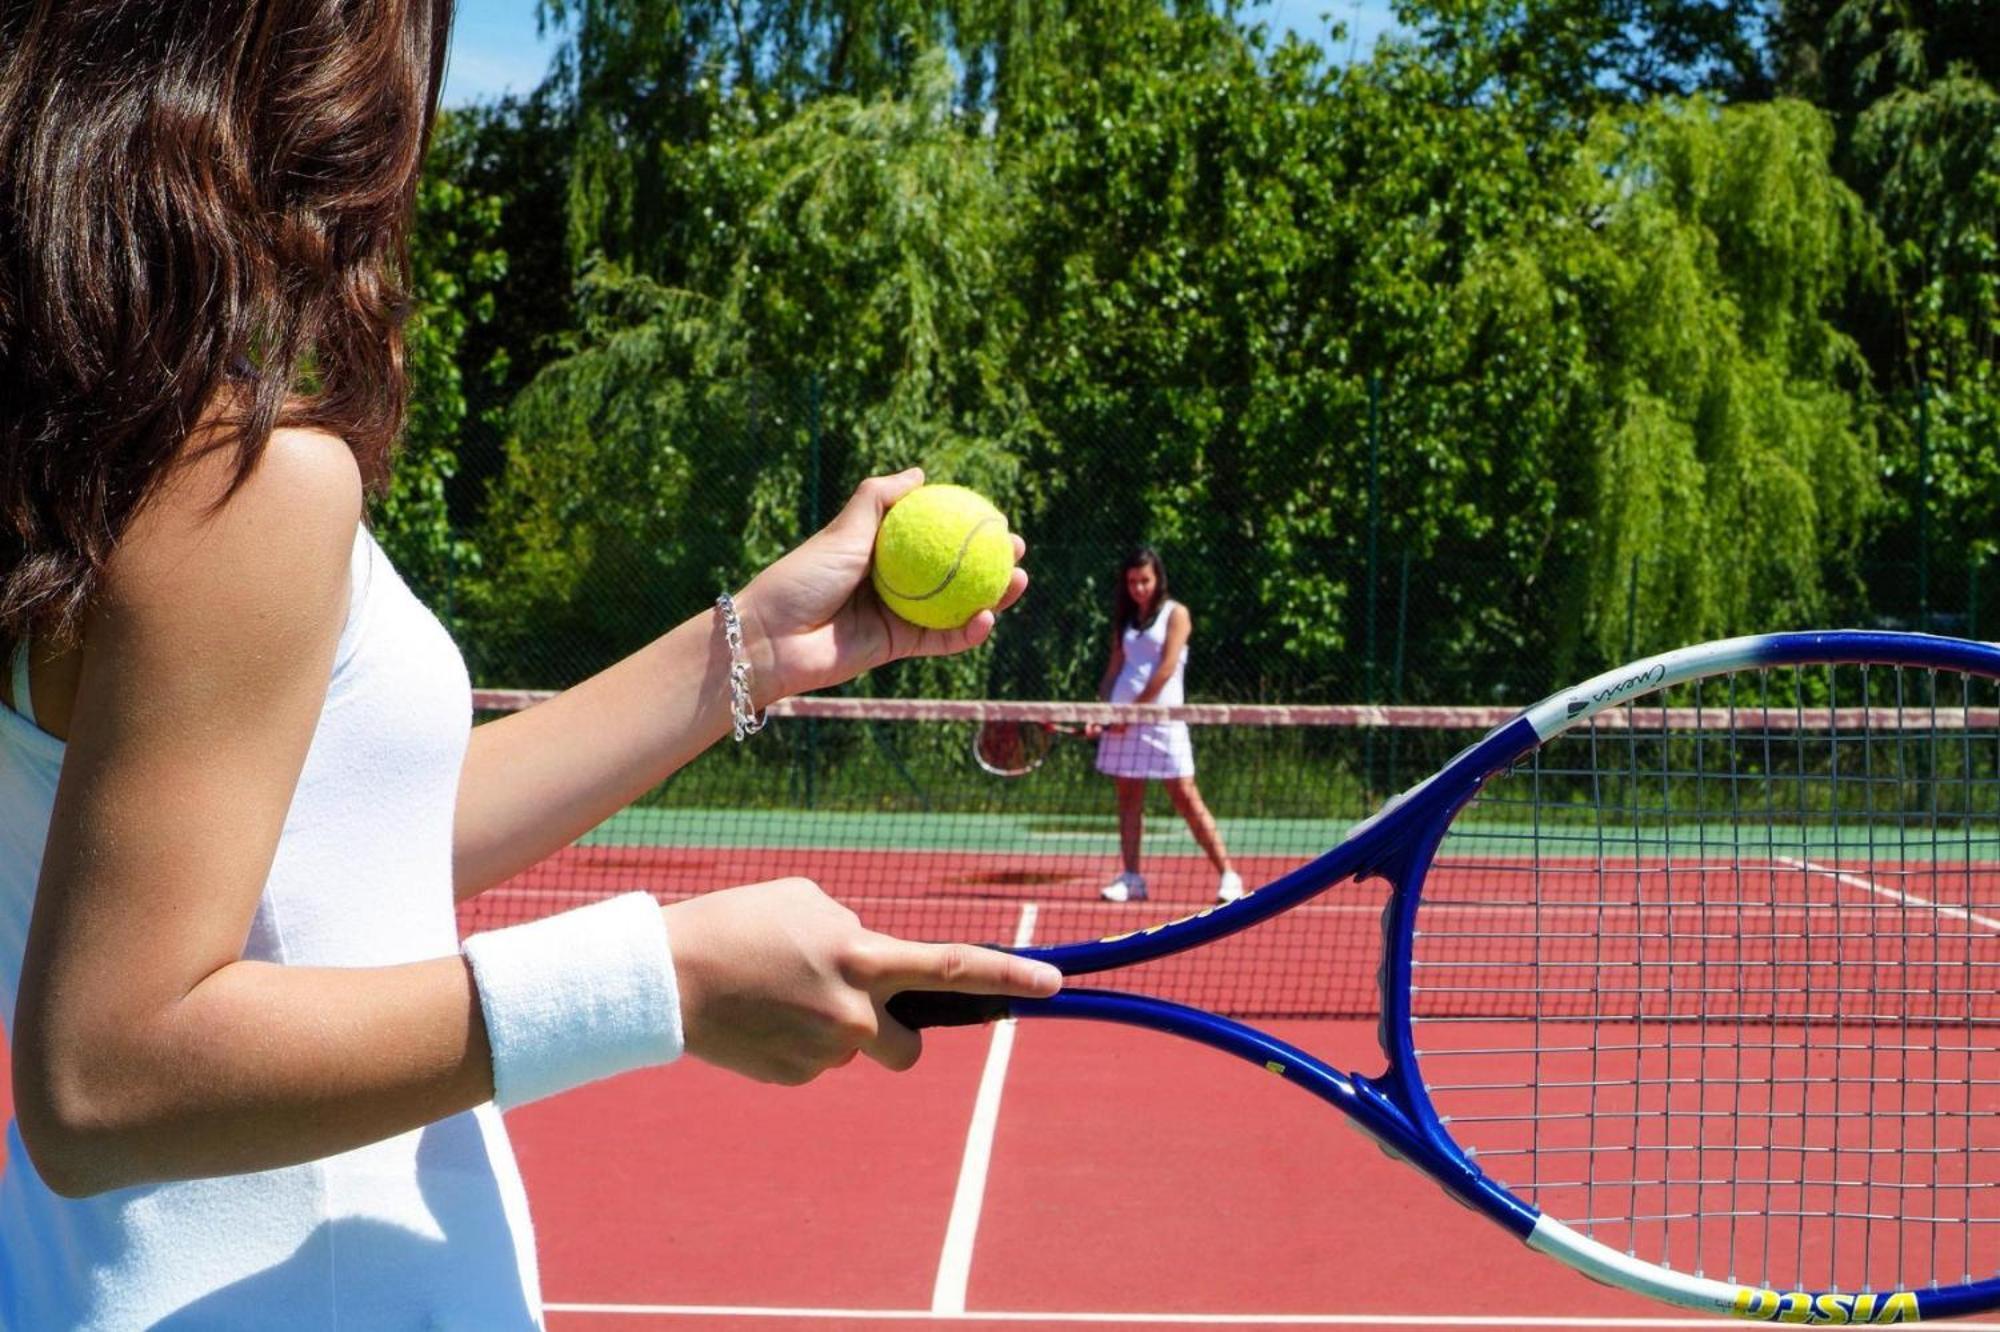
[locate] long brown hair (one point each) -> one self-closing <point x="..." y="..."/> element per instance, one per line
<point x="1125" y="611"/>
<point x="203" y="210"/>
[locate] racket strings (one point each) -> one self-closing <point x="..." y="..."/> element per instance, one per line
<point x="1010" y="748"/>
<point x="1714" y="980"/>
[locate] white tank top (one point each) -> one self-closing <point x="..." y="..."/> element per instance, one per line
<point x="1143" y="650"/>
<point x="427" y="1230"/>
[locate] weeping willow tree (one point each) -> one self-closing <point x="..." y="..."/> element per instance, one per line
<point x="1728" y="452"/>
<point x="650" y="79"/>
<point x="1737" y="461"/>
<point x="1142" y="276"/>
<point x="844" y="314"/>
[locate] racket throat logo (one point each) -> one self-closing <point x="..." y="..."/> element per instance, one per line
<point x="1617" y="689"/>
<point x="1827" y="1309"/>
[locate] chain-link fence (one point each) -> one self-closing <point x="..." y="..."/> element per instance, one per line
<point x="1320" y="557"/>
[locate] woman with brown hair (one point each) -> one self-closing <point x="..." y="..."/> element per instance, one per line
<point x="1148" y="664"/>
<point x="255" y="1075"/>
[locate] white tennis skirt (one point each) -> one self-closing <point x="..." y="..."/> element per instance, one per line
<point x="1153" y="750"/>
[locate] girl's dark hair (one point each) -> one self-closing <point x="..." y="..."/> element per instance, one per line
<point x="204" y="211"/>
<point x="1125" y="613"/>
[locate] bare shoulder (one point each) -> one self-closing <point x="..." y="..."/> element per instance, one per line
<point x="1178" y="617"/>
<point x="304" y="477"/>
<point x="282" y="537"/>
<point x="311" y="470"/>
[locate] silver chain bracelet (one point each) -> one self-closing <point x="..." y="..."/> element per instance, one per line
<point x="743" y="718"/>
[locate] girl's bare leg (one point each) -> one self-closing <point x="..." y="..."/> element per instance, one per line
<point x="1131" y="820"/>
<point x="1187" y="799"/>
<point x="1130" y="885"/>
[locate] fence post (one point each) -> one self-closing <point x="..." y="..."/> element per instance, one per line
<point x="1374" y="530"/>
<point x="1632" y="611"/>
<point x="1374" y="572"/>
<point x="812" y="525"/>
<point x="812" y="453"/>
<point x="450" y="588"/>
<point x="1396" y="672"/>
<point x="1972" y="597"/>
<point x="1923" y="508"/>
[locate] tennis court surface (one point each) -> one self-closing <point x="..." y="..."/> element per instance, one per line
<point x="1066" y="1174"/>
<point x="1584" y="947"/>
<point x="1043" y="1175"/>
<point x="1132" y="1182"/>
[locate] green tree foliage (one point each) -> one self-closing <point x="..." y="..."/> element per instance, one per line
<point x="654" y="81"/>
<point x="455" y="266"/>
<point x="514" y="157"/>
<point x="1224" y="246"/>
<point x="847" y="304"/>
<point x="1724" y="406"/>
<point x="1553" y="304"/>
<point x="1592" y="350"/>
<point x="1933" y="157"/>
<point x="517" y="152"/>
<point x="638" y="73"/>
<point x="1911" y="88"/>
<point x="1572" y="56"/>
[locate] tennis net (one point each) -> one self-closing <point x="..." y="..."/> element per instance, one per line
<point x="882" y="802"/>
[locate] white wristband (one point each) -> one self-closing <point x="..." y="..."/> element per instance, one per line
<point x="576" y="997"/>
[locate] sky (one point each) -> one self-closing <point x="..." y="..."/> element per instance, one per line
<point x="496" y="50"/>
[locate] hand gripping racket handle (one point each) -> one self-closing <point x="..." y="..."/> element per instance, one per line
<point x="917" y="1009"/>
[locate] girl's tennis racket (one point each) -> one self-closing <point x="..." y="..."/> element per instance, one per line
<point x="1690" y="977"/>
<point x="1017" y="748"/>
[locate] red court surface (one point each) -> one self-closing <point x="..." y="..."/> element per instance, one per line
<point x="1134" y="1182"/>
<point x="1096" y="1176"/>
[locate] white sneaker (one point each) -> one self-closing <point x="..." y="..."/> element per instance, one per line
<point x="1127" y="887"/>
<point x="1230" y="888"/>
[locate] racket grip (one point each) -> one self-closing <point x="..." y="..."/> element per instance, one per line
<point x="917" y="1009"/>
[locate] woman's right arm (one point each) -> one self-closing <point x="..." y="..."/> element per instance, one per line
<point x="146" y="1049"/>
<point x="1112" y="667"/>
<point x="1109" y="680"/>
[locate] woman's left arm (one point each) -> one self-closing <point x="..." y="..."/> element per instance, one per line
<point x="535" y="781"/>
<point x="1179" y="626"/>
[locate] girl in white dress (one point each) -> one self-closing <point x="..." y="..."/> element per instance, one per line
<point x="1149" y="639"/>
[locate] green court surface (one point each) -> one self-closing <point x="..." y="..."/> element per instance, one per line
<point x="981" y="834"/>
<point x="1641" y="839"/>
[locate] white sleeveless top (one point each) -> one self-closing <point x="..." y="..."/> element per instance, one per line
<point x="1143" y="650"/>
<point x="1152" y="750"/>
<point x="427" y="1230"/>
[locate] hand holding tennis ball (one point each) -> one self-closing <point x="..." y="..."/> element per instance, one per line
<point x="811" y="620"/>
<point x="943" y="555"/>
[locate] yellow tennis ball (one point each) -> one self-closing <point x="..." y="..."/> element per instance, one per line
<point x="942" y="556"/>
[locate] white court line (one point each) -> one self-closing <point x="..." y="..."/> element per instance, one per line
<point x="1892" y="894"/>
<point x="1529" y="1321"/>
<point x="955" y="1261"/>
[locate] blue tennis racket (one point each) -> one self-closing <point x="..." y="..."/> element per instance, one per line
<point x="1690" y="977"/>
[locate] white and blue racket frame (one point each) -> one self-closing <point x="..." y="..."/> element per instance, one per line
<point x="1397" y="844"/>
